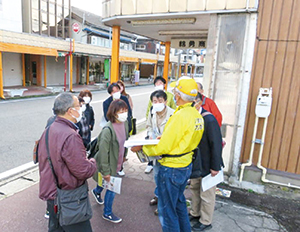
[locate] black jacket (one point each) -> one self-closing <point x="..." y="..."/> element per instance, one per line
<point x="211" y="145"/>
<point x="89" y="114"/>
<point x="109" y="100"/>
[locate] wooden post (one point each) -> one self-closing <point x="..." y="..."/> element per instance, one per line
<point x="1" y="78"/>
<point x="166" y="63"/>
<point x="23" y="69"/>
<point x="186" y="69"/>
<point x="45" y="71"/>
<point x="115" y="50"/>
<point x="88" y="70"/>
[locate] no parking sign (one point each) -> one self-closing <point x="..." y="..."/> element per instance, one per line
<point x="75" y="27"/>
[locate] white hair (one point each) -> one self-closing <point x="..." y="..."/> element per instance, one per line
<point x="184" y="96"/>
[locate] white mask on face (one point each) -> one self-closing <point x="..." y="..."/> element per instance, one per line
<point x="159" y="87"/>
<point x="80" y="114"/>
<point x="158" y="107"/>
<point x="87" y="100"/>
<point x="122" y="117"/>
<point x="116" y="95"/>
<point x="83" y="108"/>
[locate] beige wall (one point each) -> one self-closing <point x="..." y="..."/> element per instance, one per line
<point x="132" y="7"/>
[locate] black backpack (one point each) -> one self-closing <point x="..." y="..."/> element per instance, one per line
<point x="92" y="148"/>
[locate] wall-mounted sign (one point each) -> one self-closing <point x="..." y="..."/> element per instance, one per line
<point x="188" y="43"/>
<point x="75" y="27"/>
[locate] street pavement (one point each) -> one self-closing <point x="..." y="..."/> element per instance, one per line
<point x="24" y="120"/>
<point x="22" y="210"/>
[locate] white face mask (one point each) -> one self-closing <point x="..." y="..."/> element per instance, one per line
<point x="122" y="117"/>
<point x="80" y="114"/>
<point x="116" y="95"/>
<point x="159" y="87"/>
<point x="83" y="108"/>
<point x="87" y="100"/>
<point x="158" y="107"/>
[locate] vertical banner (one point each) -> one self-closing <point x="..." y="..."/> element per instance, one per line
<point x="106" y="69"/>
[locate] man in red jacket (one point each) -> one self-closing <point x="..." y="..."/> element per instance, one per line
<point x="209" y="105"/>
<point x="68" y="157"/>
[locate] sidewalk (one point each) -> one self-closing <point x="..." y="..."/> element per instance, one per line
<point x="41" y="91"/>
<point x="24" y="211"/>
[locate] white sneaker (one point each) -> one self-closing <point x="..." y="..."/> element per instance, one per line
<point x="148" y="169"/>
<point x="46" y="214"/>
<point x="121" y="173"/>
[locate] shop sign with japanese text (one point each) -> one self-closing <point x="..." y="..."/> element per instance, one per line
<point x="188" y="43"/>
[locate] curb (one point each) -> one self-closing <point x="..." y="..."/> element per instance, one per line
<point x="15" y="173"/>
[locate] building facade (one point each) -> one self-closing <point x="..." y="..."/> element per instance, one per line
<point x="250" y="44"/>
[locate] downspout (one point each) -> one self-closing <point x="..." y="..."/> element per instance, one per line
<point x="1" y="78"/>
<point x="249" y="163"/>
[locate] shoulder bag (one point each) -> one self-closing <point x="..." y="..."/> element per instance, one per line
<point x="73" y="206"/>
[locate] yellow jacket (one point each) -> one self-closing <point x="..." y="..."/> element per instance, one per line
<point x="182" y="134"/>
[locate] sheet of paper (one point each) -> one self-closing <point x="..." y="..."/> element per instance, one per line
<point x="209" y="181"/>
<point x="114" y="185"/>
<point x="132" y="143"/>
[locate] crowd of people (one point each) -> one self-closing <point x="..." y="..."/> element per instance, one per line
<point x="183" y="121"/>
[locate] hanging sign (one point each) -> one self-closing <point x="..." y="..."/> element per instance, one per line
<point x="188" y="43"/>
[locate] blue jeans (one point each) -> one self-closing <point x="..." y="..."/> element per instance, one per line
<point x="155" y="172"/>
<point x="171" y="183"/>
<point x="108" y="199"/>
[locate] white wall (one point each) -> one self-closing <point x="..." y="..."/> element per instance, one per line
<point x="12" y="69"/>
<point x="11" y="15"/>
<point x="56" y="70"/>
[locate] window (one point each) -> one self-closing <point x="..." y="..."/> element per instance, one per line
<point x="141" y="47"/>
<point x="35" y="21"/>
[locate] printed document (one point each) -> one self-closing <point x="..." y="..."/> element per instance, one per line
<point x="209" y="181"/>
<point x="132" y="143"/>
<point x="114" y="185"/>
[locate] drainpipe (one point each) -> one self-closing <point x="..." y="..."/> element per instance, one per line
<point x="249" y="163"/>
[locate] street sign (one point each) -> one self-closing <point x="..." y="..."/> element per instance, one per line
<point x="186" y="43"/>
<point x="75" y="27"/>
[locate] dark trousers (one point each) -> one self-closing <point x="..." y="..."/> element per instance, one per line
<point x="54" y="226"/>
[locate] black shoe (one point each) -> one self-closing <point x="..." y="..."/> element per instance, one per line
<point x="200" y="227"/>
<point x="193" y="219"/>
<point x="153" y="201"/>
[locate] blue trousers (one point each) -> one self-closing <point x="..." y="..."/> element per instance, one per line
<point x="108" y="199"/>
<point x="155" y="172"/>
<point x="171" y="183"/>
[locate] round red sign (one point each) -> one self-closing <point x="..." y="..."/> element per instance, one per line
<point x="75" y="27"/>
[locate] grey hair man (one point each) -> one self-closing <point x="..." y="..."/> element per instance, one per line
<point x="68" y="157"/>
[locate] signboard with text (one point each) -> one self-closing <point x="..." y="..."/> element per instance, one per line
<point x="188" y="43"/>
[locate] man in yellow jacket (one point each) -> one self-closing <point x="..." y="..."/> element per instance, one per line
<point x="181" y="136"/>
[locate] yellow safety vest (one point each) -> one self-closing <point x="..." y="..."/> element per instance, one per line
<point x="182" y="134"/>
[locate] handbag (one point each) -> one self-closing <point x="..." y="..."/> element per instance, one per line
<point x="73" y="205"/>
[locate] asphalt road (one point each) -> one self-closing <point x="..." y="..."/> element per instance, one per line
<point x="23" y="121"/>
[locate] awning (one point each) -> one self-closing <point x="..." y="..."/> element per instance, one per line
<point x="148" y="61"/>
<point x="128" y="59"/>
<point x="106" y="35"/>
<point x="26" y="49"/>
